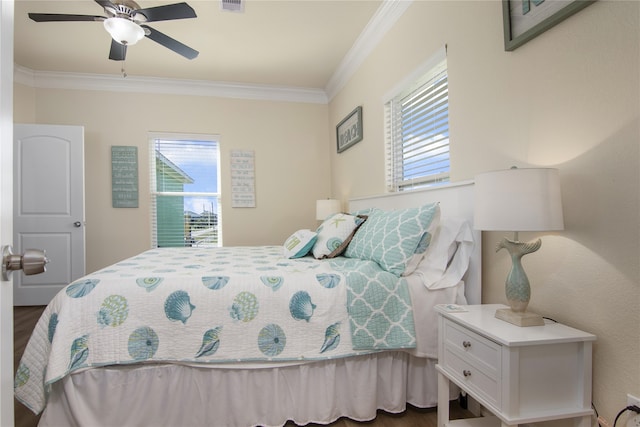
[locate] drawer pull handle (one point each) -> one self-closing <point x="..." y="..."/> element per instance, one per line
<point x="466" y="373"/>
<point x="466" y="344"/>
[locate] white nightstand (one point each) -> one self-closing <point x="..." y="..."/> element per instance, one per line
<point x="520" y="374"/>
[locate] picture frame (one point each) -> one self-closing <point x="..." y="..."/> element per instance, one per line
<point x="524" y="20"/>
<point x="349" y="130"/>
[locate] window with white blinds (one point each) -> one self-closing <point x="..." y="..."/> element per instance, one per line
<point x="185" y="196"/>
<point x="417" y="130"/>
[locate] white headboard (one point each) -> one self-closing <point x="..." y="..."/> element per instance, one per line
<point x="456" y="200"/>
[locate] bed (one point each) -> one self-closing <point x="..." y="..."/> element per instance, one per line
<point x="292" y="337"/>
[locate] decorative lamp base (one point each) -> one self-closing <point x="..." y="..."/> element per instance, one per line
<point x="525" y="318"/>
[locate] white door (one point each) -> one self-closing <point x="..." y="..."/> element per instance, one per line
<point x="6" y="208"/>
<point x="48" y="207"/>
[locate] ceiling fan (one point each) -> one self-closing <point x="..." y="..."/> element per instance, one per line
<point x="125" y="22"/>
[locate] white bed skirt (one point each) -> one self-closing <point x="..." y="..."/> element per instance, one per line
<point x="179" y="395"/>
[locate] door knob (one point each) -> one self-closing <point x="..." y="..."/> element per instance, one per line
<point x="77" y="224"/>
<point x="33" y="261"/>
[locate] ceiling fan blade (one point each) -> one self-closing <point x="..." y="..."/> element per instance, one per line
<point x="170" y="43"/>
<point x="58" y="17"/>
<point x="168" y="12"/>
<point x="118" y="51"/>
<point x="105" y="3"/>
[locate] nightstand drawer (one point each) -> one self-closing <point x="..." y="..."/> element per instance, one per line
<point x="475" y="349"/>
<point x="472" y="378"/>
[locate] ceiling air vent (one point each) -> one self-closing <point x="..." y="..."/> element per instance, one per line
<point x="232" y="5"/>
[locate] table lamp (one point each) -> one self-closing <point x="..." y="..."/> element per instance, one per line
<point x="526" y="199"/>
<point x="326" y="207"/>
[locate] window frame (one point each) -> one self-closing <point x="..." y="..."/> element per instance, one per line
<point x="153" y="192"/>
<point x="420" y="80"/>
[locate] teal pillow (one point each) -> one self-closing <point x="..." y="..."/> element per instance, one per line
<point x="391" y="238"/>
<point x="299" y="243"/>
<point x="366" y="212"/>
<point x="423" y="245"/>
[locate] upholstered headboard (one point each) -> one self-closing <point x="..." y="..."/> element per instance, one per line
<point x="456" y="200"/>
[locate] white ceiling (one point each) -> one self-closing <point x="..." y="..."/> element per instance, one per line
<point x="292" y="43"/>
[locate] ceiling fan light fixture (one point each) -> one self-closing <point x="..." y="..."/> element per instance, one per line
<point x="124" y="31"/>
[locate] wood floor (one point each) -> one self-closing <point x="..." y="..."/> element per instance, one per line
<point x="25" y="319"/>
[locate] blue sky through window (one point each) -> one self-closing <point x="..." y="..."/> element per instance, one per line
<point x="199" y="160"/>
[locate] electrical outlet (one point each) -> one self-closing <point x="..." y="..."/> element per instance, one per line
<point x="634" y="419"/>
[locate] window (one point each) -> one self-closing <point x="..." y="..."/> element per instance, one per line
<point x="417" y="129"/>
<point x="185" y="197"/>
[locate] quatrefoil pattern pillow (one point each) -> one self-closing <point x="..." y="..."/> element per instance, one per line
<point x="391" y="238"/>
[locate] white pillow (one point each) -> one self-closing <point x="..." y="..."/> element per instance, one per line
<point x="334" y="234"/>
<point x="447" y="257"/>
<point x="299" y="243"/>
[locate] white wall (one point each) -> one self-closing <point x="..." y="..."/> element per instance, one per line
<point x="570" y="99"/>
<point x="289" y="140"/>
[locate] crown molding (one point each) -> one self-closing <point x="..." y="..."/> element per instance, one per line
<point x="116" y="83"/>
<point x="384" y="18"/>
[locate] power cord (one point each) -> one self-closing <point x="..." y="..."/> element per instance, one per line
<point x="633" y="408"/>
<point x="593" y="405"/>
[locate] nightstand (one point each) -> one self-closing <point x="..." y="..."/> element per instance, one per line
<point x="520" y="374"/>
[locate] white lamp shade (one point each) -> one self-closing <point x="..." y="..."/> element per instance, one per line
<point x="526" y="199"/>
<point x="124" y="31"/>
<point x="326" y="207"/>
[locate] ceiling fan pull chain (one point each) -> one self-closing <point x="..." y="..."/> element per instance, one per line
<point x="124" y="72"/>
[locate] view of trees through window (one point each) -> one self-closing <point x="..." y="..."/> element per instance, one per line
<point x="185" y="191"/>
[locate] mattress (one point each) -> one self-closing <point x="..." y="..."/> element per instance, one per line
<point x="187" y="305"/>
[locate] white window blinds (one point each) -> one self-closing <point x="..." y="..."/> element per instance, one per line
<point x="417" y="130"/>
<point x="185" y="208"/>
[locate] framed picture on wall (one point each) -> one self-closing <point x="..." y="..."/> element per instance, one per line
<point x="525" y="19"/>
<point x="349" y="130"/>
